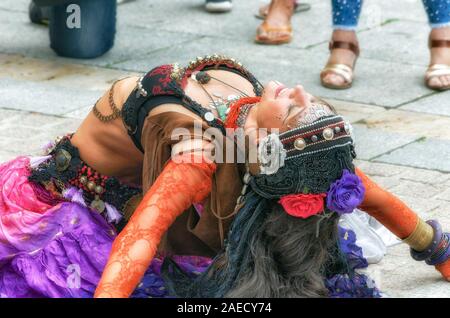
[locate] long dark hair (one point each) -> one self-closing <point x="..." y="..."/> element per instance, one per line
<point x="268" y="254"/>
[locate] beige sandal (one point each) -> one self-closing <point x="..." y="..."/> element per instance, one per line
<point x="266" y="34"/>
<point x="343" y="70"/>
<point x="437" y="70"/>
<point x="271" y="35"/>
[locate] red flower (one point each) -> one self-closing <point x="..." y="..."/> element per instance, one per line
<point x="303" y="205"/>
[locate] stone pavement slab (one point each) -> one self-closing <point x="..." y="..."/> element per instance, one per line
<point x="24" y="133"/>
<point x="402" y="41"/>
<point x="428" y="154"/>
<point x="371" y="143"/>
<point x="58" y="72"/>
<point x="14" y="5"/>
<point x="400" y="277"/>
<point x="377" y="82"/>
<point x="131" y="42"/>
<point x="409" y="123"/>
<point x="438" y="103"/>
<point x="386" y="10"/>
<point x="44" y="97"/>
<point x="189" y="17"/>
<point x="404" y="173"/>
<point x="396" y="84"/>
<point x="354" y="112"/>
<point x="22" y="37"/>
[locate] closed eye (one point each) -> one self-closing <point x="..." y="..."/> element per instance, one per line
<point x="288" y="112"/>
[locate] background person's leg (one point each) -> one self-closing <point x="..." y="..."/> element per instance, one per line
<point x="276" y="28"/>
<point x="438" y="76"/>
<point x="83" y="28"/>
<point x="346" y="14"/>
<point x="345" y="18"/>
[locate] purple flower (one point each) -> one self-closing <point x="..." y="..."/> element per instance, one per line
<point x="345" y="194"/>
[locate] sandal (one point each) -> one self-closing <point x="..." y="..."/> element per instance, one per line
<point x="343" y="70"/>
<point x="437" y="70"/>
<point x="298" y="7"/>
<point x="266" y="34"/>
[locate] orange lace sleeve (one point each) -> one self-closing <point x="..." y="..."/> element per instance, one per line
<point x="387" y="208"/>
<point x="176" y="188"/>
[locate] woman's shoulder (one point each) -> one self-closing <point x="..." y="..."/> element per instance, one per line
<point x="167" y="117"/>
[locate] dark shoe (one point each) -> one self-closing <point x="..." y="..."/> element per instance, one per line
<point x="38" y="14"/>
<point x="218" y="5"/>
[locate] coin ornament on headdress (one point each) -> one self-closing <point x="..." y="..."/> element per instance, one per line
<point x="271" y="154"/>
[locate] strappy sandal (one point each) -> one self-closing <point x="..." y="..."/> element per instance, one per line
<point x="267" y="34"/>
<point x="298" y="7"/>
<point x="343" y="70"/>
<point x="437" y="70"/>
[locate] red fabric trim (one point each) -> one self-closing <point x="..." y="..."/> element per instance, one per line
<point x="235" y="109"/>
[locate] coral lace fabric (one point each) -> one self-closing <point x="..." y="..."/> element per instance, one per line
<point x="178" y="187"/>
<point x="387" y="208"/>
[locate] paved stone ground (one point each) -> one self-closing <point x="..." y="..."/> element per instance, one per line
<point x="402" y="128"/>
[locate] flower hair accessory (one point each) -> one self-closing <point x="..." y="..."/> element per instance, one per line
<point x="303" y="205"/>
<point x="271" y="154"/>
<point x="345" y="194"/>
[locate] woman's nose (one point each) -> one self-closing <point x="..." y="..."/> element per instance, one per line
<point x="301" y="96"/>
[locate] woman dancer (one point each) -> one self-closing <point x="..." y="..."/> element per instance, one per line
<point x="54" y="244"/>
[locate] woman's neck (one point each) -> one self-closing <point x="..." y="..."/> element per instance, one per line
<point x="251" y="124"/>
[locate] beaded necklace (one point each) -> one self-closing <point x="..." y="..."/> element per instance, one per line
<point x="221" y="104"/>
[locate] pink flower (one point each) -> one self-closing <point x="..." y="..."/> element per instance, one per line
<point x="303" y="205"/>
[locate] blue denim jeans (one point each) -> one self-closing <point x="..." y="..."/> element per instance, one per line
<point x="346" y="13"/>
<point x="83" y="28"/>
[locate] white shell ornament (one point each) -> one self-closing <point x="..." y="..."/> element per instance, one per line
<point x="271" y="154"/>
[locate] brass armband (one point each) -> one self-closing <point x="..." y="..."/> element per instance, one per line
<point x="422" y="236"/>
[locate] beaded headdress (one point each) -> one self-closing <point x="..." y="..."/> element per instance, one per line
<point x="310" y="164"/>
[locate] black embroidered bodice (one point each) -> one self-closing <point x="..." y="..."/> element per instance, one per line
<point x="165" y="84"/>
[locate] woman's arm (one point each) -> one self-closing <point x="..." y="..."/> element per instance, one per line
<point x="402" y="221"/>
<point x="176" y="188"/>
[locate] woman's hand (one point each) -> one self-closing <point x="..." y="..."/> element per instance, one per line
<point x="444" y="269"/>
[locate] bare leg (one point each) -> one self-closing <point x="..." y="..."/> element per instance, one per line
<point x="440" y="55"/>
<point x="341" y="56"/>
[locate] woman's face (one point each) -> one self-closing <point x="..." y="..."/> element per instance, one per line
<point x="285" y="108"/>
